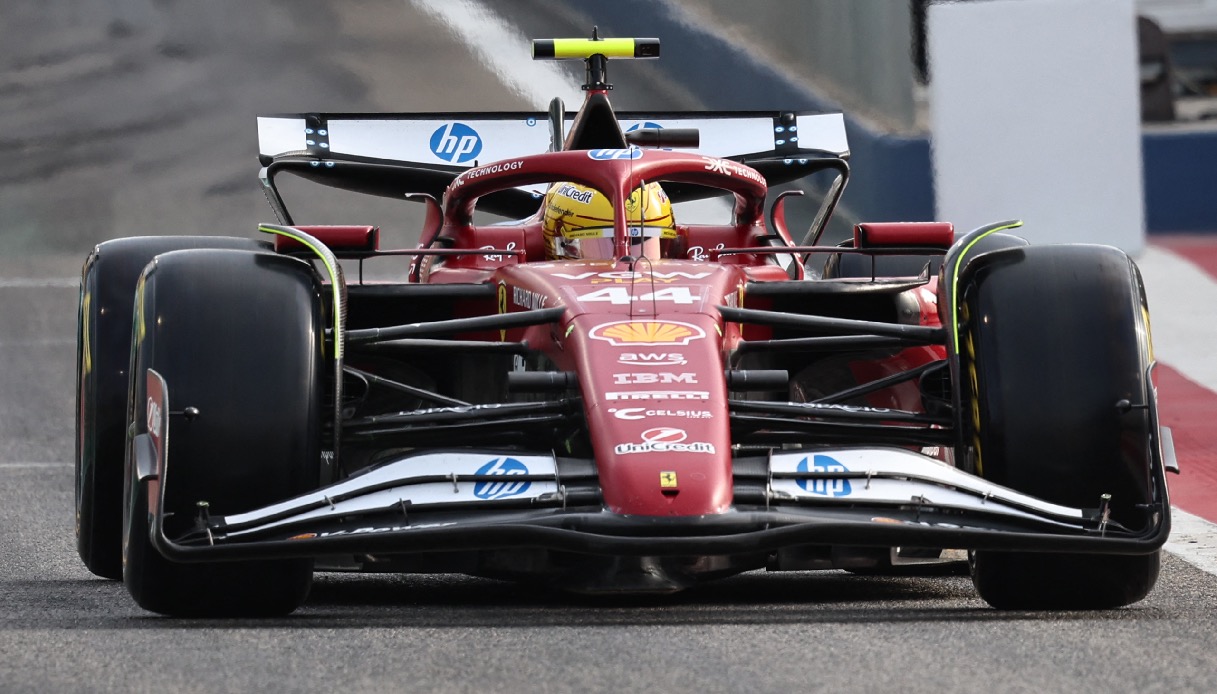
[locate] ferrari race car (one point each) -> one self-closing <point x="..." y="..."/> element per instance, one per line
<point x="598" y="396"/>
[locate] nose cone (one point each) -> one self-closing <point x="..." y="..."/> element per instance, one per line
<point x="656" y="399"/>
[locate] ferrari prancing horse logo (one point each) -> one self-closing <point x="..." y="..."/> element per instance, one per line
<point x="667" y="479"/>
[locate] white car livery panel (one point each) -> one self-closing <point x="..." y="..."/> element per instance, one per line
<point x="901" y="477"/>
<point x="402" y="485"/>
<point x="462" y="139"/>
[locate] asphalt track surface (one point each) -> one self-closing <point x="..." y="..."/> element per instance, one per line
<point x="131" y="117"/>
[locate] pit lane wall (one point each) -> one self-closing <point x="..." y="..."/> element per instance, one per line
<point x="1035" y="115"/>
<point x="1063" y="176"/>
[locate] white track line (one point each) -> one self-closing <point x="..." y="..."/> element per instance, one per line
<point x="43" y="342"/>
<point x="1181" y="297"/>
<point x="1194" y="540"/>
<point x="39" y="282"/>
<point x="36" y="465"/>
<point x="1181" y="300"/>
<point x="503" y="51"/>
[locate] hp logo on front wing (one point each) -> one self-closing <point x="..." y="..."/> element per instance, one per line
<point x="825" y="486"/>
<point x="507" y="467"/>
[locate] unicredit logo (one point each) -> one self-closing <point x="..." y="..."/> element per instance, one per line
<point x="668" y="434"/>
<point x="664" y="440"/>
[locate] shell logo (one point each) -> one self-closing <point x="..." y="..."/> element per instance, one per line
<point x="647" y="332"/>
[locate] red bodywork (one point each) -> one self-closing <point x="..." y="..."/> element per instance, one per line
<point x="645" y="337"/>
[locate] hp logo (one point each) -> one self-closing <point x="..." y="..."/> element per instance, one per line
<point x="507" y="467"/>
<point x="648" y="125"/>
<point x="825" y="487"/>
<point x="456" y="143"/>
<point x="607" y="154"/>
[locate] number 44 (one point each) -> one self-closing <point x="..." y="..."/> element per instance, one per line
<point x="624" y="295"/>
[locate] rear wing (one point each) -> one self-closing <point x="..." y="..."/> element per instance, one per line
<point x="458" y="141"/>
<point x="410" y="154"/>
<point x="400" y="155"/>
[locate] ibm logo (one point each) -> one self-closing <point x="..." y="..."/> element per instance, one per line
<point x="456" y="143"/>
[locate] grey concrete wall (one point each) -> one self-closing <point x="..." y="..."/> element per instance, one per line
<point x="857" y="52"/>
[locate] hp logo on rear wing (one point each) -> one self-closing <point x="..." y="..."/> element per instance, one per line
<point x="456" y="143"/>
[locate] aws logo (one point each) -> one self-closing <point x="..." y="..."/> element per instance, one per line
<point x="456" y="143"/>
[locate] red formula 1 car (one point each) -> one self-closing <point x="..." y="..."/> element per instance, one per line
<point x="600" y="396"/>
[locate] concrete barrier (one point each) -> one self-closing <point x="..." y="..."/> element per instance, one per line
<point x="1036" y="116"/>
<point x="893" y="178"/>
<point x="1180" y="178"/>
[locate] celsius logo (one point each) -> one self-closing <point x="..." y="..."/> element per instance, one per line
<point x="506" y="467"/>
<point x="648" y="125"/>
<point x="824" y="486"/>
<point x="607" y="154"/>
<point x="634" y="413"/>
<point x="456" y="143"/>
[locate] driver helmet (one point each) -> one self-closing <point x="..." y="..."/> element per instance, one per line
<point x="578" y="221"/>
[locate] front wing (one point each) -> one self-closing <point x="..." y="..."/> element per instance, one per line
<point x="466" y="500"/>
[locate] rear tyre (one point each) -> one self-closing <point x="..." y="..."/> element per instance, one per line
<point x="103" y="355"/>
<point x="1052" y="338"/>
<point x="238" y="336"/>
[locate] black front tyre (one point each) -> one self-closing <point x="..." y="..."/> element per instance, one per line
<point x="238" y="336"/>
<point x="1054" y="349"/>
<point x="103" y="355"/>
<point x="1044" y="581"/>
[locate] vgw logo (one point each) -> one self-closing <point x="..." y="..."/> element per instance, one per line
<point x="825" y="487"/>
<point x="456" y="143"/>
<point x="507" y="467"/>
